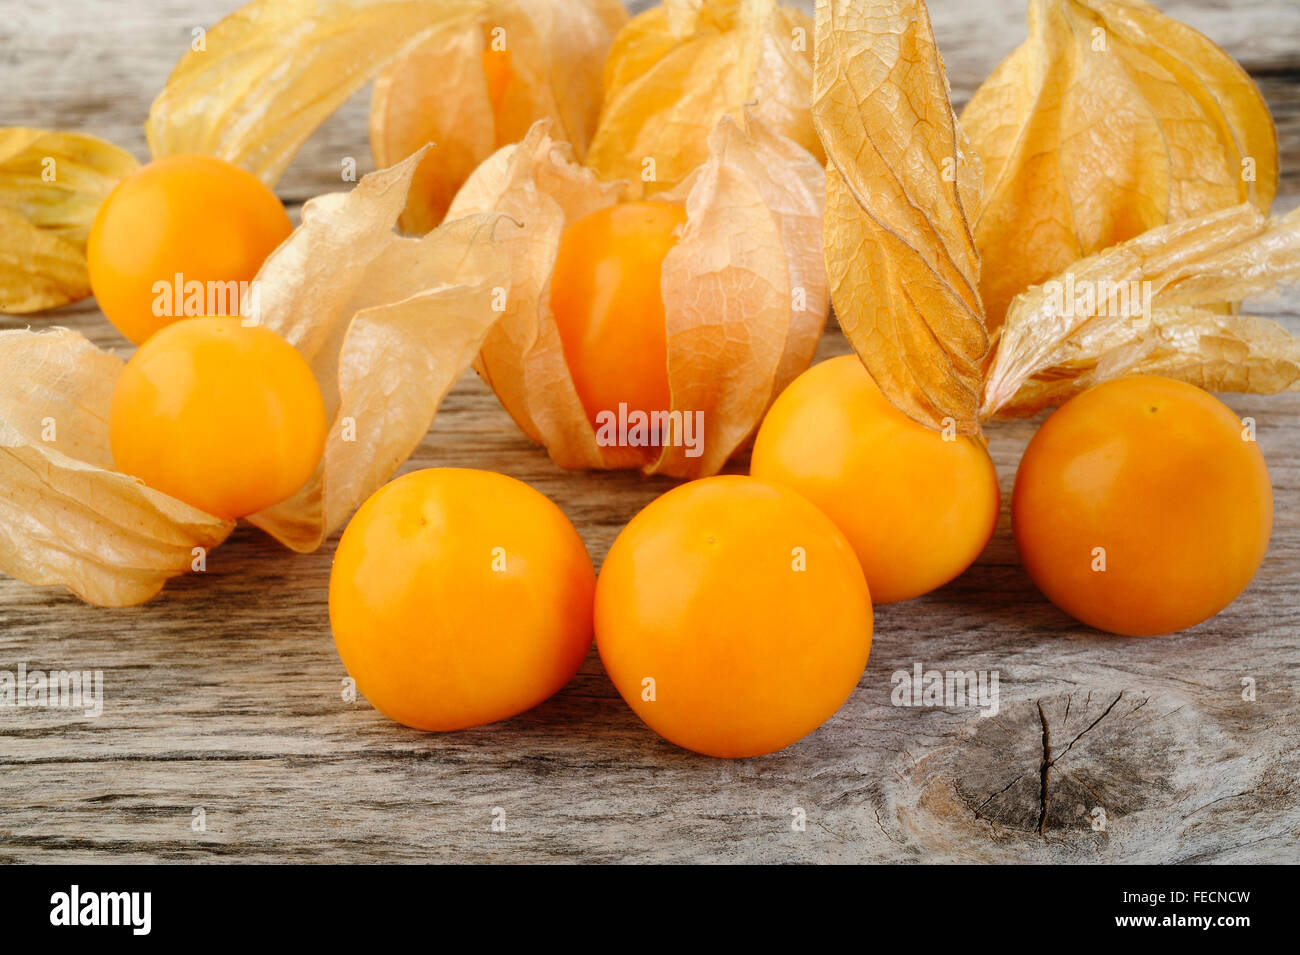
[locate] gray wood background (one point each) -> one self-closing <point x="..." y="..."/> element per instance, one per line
<point x="224" y="694"/>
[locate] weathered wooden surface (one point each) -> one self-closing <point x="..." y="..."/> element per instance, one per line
<point x="225" y="692"/>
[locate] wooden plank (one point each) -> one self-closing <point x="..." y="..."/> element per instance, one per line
<point x="225" y="693"/>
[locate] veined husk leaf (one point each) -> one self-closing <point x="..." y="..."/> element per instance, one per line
<point x="901" y="183"/>
<point x="270" y="73"/>
<point x="744" y="317"/>
<point x="538" y="185"/>
<point x="1144" y="307"/>
<point x="679" y="67"/>
<point x="438" y="92"/>
<point x="388" y="324"/>
<point x="1110" y="119"/>
<point x="66" y="517"/>
<point x="51" y="185"/>
<point x="748" y="251"/>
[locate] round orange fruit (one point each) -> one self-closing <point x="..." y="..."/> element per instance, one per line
<point x="1142" y="506"/>
<point x="179" y="231"/>
<point x="607" y="302"/>
<point x="732" y="616"/>
<point x="460" y="597"/>
<point x="917" y="507"/>
<point x="220" y="415"/>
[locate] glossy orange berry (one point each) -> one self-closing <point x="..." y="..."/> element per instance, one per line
<point x="223" y="416"/>
<point x="918" y="507"/>
<point x="460" y="597"/>
<point x="1142" y="506"/>
<point x="732" y="616"/>
<point x="606" y="297"/>
<point x="176" y="238"/>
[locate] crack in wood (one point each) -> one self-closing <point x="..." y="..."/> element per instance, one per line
<point x="997" y="794"/>
<point x="1014" y="773"/>
<point x="1044" y="790"/>
<point x="1091" y="726"/>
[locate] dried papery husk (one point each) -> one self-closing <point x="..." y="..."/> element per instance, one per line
<point x="901" y="183"/>
<point x="676" y="69"/>
<point x="51" y="185"/>
<point x="388" y="324"/>
<point x="751" y="240"/>
<point x="66" y="517"/>
<point x="745" y="289"/>
<point x="438" y="92"/>
<point x="1050" y="349"/>
<point x="270" y="73"/>
<point x="541" y="188"/>
<point x="1110" y="119"/>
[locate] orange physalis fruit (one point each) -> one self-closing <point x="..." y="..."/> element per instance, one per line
<point x="499" y="73"/>
<point x="917" y="506"/>
<point x="221" y="415"/>
<point x="732" y="616"/>
<point x="460" y="597"/>
<point x="68" y="518"/>
<point x="1141" y="508"/>
<point x="613" y="307"/>
<point x="181" y="236"/>
<point x="605" y="293"/>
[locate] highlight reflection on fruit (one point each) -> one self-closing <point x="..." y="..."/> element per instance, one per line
<point x="1142" y="506"/>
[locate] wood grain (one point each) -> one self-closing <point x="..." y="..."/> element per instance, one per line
<point x="225" y="693"/>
